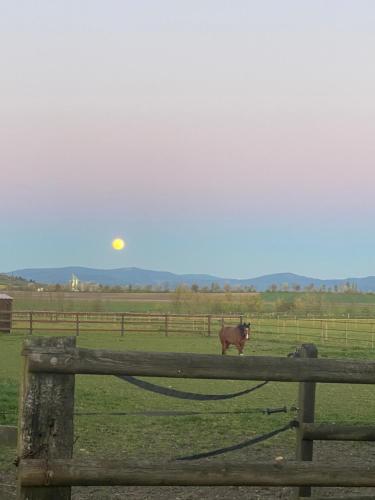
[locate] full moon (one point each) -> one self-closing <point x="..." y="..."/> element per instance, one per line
<point x="118" y="244"/>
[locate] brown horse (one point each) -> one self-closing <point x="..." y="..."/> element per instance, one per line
<point x="236" y="335"/>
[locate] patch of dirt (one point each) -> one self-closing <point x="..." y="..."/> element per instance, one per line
<point x="327" y="452"/>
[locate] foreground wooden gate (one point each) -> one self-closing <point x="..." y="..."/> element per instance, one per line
<point x="46" y="467"/>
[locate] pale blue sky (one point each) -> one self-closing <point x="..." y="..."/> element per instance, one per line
<point x="231" y="138"/>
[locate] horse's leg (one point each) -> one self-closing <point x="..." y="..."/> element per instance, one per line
<point x="240" y="347"/>
<point x="223" y="347"/>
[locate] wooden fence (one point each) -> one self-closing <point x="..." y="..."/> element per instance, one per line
<point x="343" y="332"/>
<point x="76" y="323"/>
<point x="45" y="446"/>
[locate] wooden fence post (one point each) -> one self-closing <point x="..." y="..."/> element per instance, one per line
<point x="166" y="325"/>
<point x="346" y="332"/>
<point x="306" y="411"/>
<point x="45" y="429"/>
<point x="31" y="323"/>
<point x="209" y="325"/>
<point x="122" y="325"/>
<point x="77" y="324"/>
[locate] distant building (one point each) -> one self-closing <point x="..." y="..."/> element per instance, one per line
<point x="74" y="283"/>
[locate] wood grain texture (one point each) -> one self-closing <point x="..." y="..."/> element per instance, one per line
<point x="111" y="473"/>
<point x="306" y="413"/>
<point x="211" y="366"/>
<point x="46" y="418"/>
<point x="338" y="432"/>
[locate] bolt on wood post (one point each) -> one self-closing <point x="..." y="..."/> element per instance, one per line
<point x="306" y="411"/>
<point x="45" y="429"/>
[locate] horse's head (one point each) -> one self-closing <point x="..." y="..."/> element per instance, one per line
<point x="245" y="330"/>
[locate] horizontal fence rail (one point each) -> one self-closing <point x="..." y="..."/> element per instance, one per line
<point x="111" y="472"/>
<point x="337" y="432"/>
<point x="324" y="331"/>
<point x="204" y="366"/>
<point x="76" y="323"/>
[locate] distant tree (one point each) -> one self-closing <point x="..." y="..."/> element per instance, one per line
<point x="215" y="287"/>
<point x="284" y="305"/>
<point x="194" y="288"/>
<point x="310" y="287"/>
<point x="181" y="295"/>
<point x="255" y="303"/>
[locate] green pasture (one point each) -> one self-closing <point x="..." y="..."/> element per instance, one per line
<point x="326" y="304"/>
<point x="221" y="423"/>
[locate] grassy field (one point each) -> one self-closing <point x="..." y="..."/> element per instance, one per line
<point x="137" y="436"/>
<point x="219" y="424"/>
<point x="297" y="303"/>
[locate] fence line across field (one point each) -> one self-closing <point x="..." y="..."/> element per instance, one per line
<point x="122" y="322"/>
<point x="323" y="330"/>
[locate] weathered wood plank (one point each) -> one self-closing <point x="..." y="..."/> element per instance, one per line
<point x="8" y="435"/>
<point x="187" y="365"/>
<point x="306" y="413"/>
<point x="46" y="418"/>
<point x="338" y="432"/>
<point x="111" y="472"/>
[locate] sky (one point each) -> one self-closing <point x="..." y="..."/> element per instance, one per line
<point x="220" y="137"/>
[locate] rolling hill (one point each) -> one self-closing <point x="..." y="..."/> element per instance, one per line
<point x="137" y="276"/>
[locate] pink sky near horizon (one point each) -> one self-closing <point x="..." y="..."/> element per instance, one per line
<point x="218" y="167"/>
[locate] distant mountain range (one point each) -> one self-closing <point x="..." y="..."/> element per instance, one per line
<point x="136" y="276"/>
